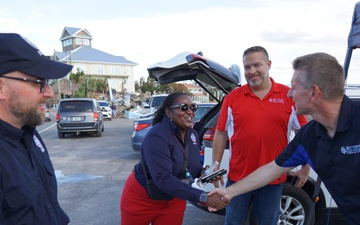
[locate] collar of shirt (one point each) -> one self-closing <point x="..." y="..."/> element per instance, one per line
<point x="13" y="134"/>
<point x="344" y="121"/>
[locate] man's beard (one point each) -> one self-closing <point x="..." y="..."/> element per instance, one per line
<point x="28" y="116"/>
<point x="255" y="83"/>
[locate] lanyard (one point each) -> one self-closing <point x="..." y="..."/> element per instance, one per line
<point x="186" y="157"/>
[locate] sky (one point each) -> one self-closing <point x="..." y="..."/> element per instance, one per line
<point x="149" y="31"/>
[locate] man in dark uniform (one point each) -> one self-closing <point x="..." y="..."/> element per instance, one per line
<point x="28" y="188"/>
<point x="330" y="143"/>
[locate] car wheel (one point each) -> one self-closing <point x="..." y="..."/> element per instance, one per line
<point x="103" y="128"/>
<point x="98" y="133"/>
<point x="295" y="207"/>
<point x="61" y="135"/>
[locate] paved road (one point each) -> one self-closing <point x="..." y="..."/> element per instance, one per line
<point x="91" y="172"/>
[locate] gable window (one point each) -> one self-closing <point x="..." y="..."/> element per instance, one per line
<point x="67" y="42"/>
<point x="78" y="41"/>
<point x="86" y="42"/>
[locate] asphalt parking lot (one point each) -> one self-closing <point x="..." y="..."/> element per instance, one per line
<point x="91" y="172"/>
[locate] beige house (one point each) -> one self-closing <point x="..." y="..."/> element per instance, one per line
<point x="198" y="93"/>
<point x="77" y="51"/>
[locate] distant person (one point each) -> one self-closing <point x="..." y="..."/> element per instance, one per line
<point x="256" y="118"/>
<point x="28" y="188"/>
<point x="171" y="156"/>
<point x="113" y="110"/>
<point x="330" y="143"/>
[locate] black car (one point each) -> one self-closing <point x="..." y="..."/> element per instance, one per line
<point x="295" y="202"/>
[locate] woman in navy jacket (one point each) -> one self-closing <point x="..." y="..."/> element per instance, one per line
<point x="169" y="145"/>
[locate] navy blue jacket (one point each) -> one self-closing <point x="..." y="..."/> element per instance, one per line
<point x="28" y="188"/>
<point x="164" y="158"/>
<point x="336" y="160"/>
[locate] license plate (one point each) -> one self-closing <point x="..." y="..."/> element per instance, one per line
<point x="75" y="118"/>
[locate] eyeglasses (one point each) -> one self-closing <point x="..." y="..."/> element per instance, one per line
<point x="185" y="107"/>
<point x="42" y="83"/>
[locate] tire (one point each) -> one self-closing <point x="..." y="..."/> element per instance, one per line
<point x="295" y="205"/>
<point x="61" y="135"/>
<point x="98" y="133"/>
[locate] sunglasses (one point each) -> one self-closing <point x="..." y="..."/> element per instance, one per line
<point x="185" y="107"/>
<point x="42" y="83"/>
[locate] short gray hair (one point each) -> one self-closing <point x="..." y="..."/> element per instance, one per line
<point x="323" y="70"/>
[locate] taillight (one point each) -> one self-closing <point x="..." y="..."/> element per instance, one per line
<point x="209" y="134"/>
<point x="140" y="126"/>
<point x="57" y="116"/>
<point x="195" y="57"/>
<point x="96" y="116"/>
<point x="202" y="152"/>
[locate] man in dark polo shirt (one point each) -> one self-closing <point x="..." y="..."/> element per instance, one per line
<point x="28" y="188"/>
<point x="330" y="143"/>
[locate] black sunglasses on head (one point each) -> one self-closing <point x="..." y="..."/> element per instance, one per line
<point x="185" y="107"/>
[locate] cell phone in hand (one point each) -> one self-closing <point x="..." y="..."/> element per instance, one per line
<point x="210" y="177"/>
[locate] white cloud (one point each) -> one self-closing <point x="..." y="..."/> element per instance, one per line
<point x="221" y="30"/>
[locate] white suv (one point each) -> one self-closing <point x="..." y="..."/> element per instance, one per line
<point x="105" y="109"/>
<point x="155" y="103"/>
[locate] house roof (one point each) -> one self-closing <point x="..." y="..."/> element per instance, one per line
<point x="74" y="32"/>
<point x="88" y="54"/>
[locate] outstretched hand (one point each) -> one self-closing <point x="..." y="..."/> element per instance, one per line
<point x="220" y="194"/>
<point x="216" y="201"/>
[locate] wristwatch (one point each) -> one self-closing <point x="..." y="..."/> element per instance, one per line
<point x="203" y="197"/>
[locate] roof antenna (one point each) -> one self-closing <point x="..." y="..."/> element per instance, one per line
<point x="200" y="53"/>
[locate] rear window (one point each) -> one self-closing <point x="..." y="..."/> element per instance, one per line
<point x="76" y="106"/>
<point x="103" y="104"/>
<point x="158" y="101"/>
<point x="201" y="112"/>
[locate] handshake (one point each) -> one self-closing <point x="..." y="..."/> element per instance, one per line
<point x="213" y="200"/>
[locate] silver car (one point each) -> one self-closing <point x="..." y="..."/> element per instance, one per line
<point x="78" y="115"/>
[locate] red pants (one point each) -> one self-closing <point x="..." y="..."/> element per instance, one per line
<point x="137" y="208"/>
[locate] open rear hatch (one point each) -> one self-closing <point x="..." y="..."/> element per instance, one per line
<point x="203" y="71"/>
<point x="354" y="37"/>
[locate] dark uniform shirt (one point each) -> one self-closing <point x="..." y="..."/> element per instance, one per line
<point x="163" y="152"/>
<point x="28" y="188"/>
<point x="336" y="160"/>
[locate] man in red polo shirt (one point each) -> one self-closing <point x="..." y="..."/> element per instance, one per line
<point x="256" y="118"/>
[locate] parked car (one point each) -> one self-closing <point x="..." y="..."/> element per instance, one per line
<point x="47" y="114"/>
<point x="295" y="202"/>
<point x="143" y="125"/>
<point x="105" y="109"/>
<point x="79" y="115"/>
<point x="155" y="103"/>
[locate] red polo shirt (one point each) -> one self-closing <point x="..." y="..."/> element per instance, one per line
<point x="257" y="129"/>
